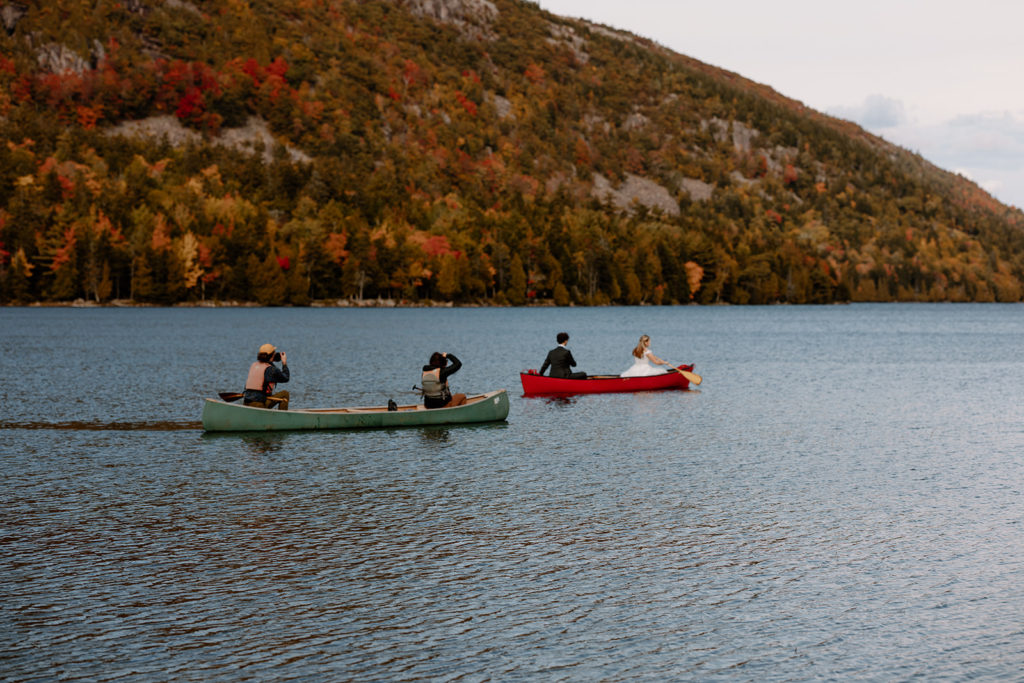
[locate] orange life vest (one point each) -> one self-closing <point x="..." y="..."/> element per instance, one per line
<point x="257" y="378"/>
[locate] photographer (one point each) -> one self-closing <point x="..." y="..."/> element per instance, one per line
<point x="263" y="379"/>
<point x="434" y="379"/>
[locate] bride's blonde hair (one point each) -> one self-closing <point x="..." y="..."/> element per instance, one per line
<point x="639" y="350"/>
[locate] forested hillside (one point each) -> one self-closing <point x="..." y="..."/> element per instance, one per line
<point x="475" y="151"/>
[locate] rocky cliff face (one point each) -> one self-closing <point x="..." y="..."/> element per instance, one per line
<point x="57" y="58"/>
<point x="10" y="13"/>
<point x="474" y="18"/>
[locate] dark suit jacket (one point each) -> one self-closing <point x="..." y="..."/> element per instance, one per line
<point x="560" y="359"/>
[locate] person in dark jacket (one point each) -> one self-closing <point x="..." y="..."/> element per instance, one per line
<point x="561" y="361"/>
<point x="436" y="393"/>
<point x="264" y="377"/>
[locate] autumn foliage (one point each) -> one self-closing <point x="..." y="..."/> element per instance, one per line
<point x="525" y="160"/>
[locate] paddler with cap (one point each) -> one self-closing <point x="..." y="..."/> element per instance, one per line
<point x="264" y="377"/>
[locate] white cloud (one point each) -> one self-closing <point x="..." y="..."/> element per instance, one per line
<point x="987" y="147"/>
<point x="993" y="187"/>
<point x="984" y="147"/>
<point x="876" y="112"/>
<point x="992" y="139"/>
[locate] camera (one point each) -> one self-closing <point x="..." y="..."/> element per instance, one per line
<point x="277" y="357"/>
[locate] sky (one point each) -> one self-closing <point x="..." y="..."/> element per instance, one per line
<point x="942" y="78"/>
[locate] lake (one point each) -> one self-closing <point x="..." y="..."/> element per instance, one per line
<point x="840" y="499"/>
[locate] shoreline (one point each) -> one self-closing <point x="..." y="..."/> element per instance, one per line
<point x="404" y="303"/>
<point x="323" y="303"/>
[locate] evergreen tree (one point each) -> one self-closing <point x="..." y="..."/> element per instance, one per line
<point x="561" y="295"/>
<point x="17" y="279"/>
<point x="64" y="285"/>
<point x="142" y="288"/>
<point x="270" y="287"/>
<point x="297" y="285"/>
<point x="516" y="290"/>
<point x="449" y="277"/>
<point x="104" y="286"/>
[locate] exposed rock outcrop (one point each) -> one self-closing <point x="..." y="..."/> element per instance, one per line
<point x="473" y="18"/>
<point x="566" y="36"/>
<point x="698" y="190"/>
<point x="635" y="190"/>
<point x="10" y="13"/>
<point x="255" y="137"/>
<point x="58" y="58"/>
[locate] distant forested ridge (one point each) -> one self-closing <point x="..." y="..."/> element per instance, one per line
<point x="474" y="151"/>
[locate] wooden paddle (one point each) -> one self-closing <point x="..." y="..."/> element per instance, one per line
<point x="692" y="376"/>
<point x="230" y="396"/>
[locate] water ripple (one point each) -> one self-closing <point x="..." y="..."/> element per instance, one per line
<point x="795" y="519"/>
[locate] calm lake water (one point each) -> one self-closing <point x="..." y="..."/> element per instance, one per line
<point x="840" y="499"/>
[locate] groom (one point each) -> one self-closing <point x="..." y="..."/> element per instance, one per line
<point x="560" y="360"/>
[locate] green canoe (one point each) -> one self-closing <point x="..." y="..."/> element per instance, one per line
<point x="219" y="416"/>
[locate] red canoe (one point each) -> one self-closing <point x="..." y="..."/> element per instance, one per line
<point x="535" y="384"/>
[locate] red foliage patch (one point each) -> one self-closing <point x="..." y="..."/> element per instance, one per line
<point x="436" y="245"/>
<point x="534" y="73"/>
<point x="190" y="104"/>
<point x="278" y="67"/>
<point x="254" y="71"/>
<point x="412" y="74"/>
<point x="335" y="246"/>
<point x="467" y="104"/>
<point x="66" y="250"/>
<point x="205" y="256"/>
<point x="67" y="187"/>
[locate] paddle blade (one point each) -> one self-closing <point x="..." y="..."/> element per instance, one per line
<point x="229" y="396"/>
<point x="692" y="376"/>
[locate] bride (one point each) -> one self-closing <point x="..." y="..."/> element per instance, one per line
<point x="642" y="359"/>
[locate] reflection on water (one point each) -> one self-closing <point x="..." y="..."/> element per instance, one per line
<point x="825" y="507"/>
<point x="572" y="399"/>
<point x="263" y="444"/>
<point x="435" y="434"/>
<point x="556" y="401"/>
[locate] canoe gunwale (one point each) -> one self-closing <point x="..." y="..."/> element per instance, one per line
<point x="408" y="408"/>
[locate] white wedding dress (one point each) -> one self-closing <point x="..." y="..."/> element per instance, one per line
<point x="642" y="367"/>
